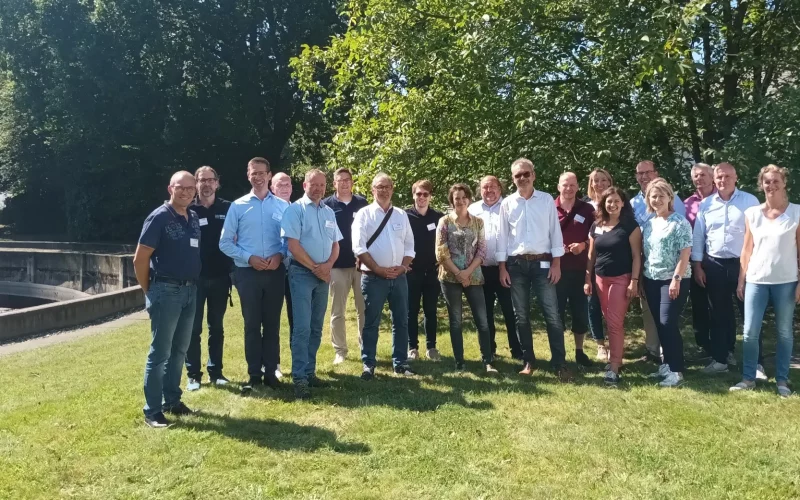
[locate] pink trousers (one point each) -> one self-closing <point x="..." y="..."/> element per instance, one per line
<point x="613" y="295"/>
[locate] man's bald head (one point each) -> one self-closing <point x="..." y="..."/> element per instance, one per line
<point x="182" y="188"/>
<point x="491" y="190"/>
<point x="282" y="186"/>
<point x="567" y="186"/>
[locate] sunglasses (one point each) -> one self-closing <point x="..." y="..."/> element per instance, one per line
<point x="522" y="175"/>
<point x="423" y="194"/>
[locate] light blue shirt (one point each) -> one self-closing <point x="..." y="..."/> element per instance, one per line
<point x="256" y="224"/>
<point x="641" y="213"/>
<point x="720" y="226"/>
<point x="314" y="226"/>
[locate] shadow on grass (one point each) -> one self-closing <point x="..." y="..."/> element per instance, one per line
<point x="273" y="434"/>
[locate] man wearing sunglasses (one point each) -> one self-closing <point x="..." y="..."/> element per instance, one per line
<point x="529" y="251"/>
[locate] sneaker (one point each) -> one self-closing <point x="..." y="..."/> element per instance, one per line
<point x="603" y="354"/>
<point x="760" y="373"/>
<point x="413" y="354"/>
<point x="221" y="380"/>
<point x="251" y="385"/>
<point x="731" y="359"/>
<point x="272" y="382"/>
<point x="278" y="372"/>
<point x="368" y="373"/>
<point x="193" y="384"/>
<point x="338" y="359"/>
<point x="433" y="354"/>
<point x="715" y="367"/>
<point x="783" y="389"/>
<point x="178" y="409"/>
<point x="663" y="371"/>
<point x="314" y="381"/>
<point x="563" y="374"/>
<point x="459" y="366"/>
<point x="157" y="421"/>
<point x="744" y="385"/>
<point x="404" y="370"/>
<point x="582" y="359"/>
<point x="301" y="390"/>
<point x="674" y="379"/>
<point x="611" y="378"/>
<point x="491" y="369"/>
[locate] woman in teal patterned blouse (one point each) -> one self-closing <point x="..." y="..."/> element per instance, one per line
<point x="667" y="239"/>
<point x="460" y="250"/>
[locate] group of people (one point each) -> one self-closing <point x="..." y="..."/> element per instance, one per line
<point x="592" y="255"/>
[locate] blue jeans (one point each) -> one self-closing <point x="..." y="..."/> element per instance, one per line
<point x="212" y="292"/>
<point x="530" y="277"/>
<point x="309" y="303"/>
<point x="376" y="292"/>
<point x="455" y="310"/>
<point x="667" y="315"/>
<point x="756" y="298"/>
<point x="171" y="309"/>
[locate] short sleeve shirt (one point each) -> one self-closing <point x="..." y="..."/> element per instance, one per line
<point x="664" y="239"/>
<point x="613" y="253"/>
<point x="176" y="243"/>
<point x="314" y="226"/>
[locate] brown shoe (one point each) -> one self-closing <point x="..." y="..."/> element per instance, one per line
<point x="564" y="375"/>
<point x="527" y="369"/>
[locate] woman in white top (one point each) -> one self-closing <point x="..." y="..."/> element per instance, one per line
<point x="769" y="274"/>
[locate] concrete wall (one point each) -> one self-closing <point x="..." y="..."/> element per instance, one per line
<point x="69" y="313"/>
<point x="47" y="292"/>
<point x="106" y="248"/>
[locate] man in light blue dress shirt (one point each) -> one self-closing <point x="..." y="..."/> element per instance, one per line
<point x="313" y="240"/>
<point x="717" y="245"/>
<point x="251" y="236"/>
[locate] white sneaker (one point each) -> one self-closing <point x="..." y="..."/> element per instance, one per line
<point x="783" y="390"/>
<point x="731" y="359"/>
<point x="760" y="373"/>
<point x="433" y="354"/>
<point x="663" y="371"/>
<point x="220" y="381"/>
<point x="715" y="367"/>
<point x="674" y="379"/>
<point x="193" y="385"/>
<point x="744" y="385"/>
<point x="338" y="359"/>
<point x="413" y="354"/>
<point x="278" y="372"/>
<point x="610" y="378"/>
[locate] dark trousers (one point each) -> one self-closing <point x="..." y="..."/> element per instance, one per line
<point x="596" y="315"/>
<point x="455" y="311"/>
<point x="667" y="315"/>
<point x="261" y="294"/>
<point x="492" y="289"/>
<point x="213" y="292"/>
<point x="422" y="285"/>
<point x="288" y="295"/>
<point x="722" y="277"/>
<point x="570" y="292"/>
<point x="700" y="315"/>
<point x="529" y="277"/>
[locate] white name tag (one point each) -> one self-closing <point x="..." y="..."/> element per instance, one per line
<point x="431" y="226"/>
<point x="220" y="216"/>
<point x="329" y="223"/>
<point x="397" y="227"/>
<point x="204" y="222"/>
<point x="544" y="264"/>
<point x="194" y="242"/>
<point x="276" y="216"/>
<point x="597" y="231"/>
<point x="580" y="218"/>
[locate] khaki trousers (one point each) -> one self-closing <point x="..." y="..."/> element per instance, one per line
<point x="342" y="281"/>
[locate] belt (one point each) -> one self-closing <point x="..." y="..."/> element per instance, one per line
<point x="534" y="256"/>
<point x="295" y="263"/>
<point x="172" y="281"/>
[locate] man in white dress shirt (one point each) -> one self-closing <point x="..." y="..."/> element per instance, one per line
<point x="384" y="245"/>
<point x="488" y="209"/>
<point x="529" y="250"/>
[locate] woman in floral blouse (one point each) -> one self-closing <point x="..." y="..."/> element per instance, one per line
<point x="667" y="241"/>
<point x="460" y="249"/>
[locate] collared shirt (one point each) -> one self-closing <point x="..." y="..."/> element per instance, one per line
<point x="256" y="224"/>
<point x="692" y="204"/>
<point x="575" y="230"/>
<point x="460" y="244"/>
<point x="314" y="226"/>
<point x="424" y="229"/>
<point x="176" y="243"/>
<point x="641" y="213"/>
<point x="663" y="240"/>
<point x="393" y="243"/>
<point x="529" y="226"/>
<point x="345" y="213"/>
<point x="720" y="226"/>
<point x="215" y="263"/>
<point x="490" y="215"/>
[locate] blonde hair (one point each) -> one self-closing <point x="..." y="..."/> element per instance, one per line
<point x="424" y="184"/>
<point x="664" y="188"/>
<point x="590" y="192"/>
<point x="771" y="169"/>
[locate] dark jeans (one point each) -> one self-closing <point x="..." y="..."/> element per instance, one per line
<point x="493" y="289"/>
<point x="288" y="295"/>
<point x="667" y="315"/>
<point x="376" y="292"/>
<point x="570" y="289"/>
<point x="424" y="285"/>
<point x="530" y="277"/>
<point x="700" y="315"/>
<point x="596" y="315"/>
<point x="213" y="291"/>
<point x="722" y="277"/>
<point x="261" y="294"/>
<point x="453" y="296"/>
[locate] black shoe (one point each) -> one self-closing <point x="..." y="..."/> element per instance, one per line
<point x="252" y="384"/>
<point x="582" y="359"/>
<point x="404" y="370"/>
<point x="459" y="366"/>
<point x="368" y="373"/>
<point x="314" y="381"/>
<point x="301" y="390"/>
<point x="178" y="409"/>
<point x="272" y="381"/>
<point x="157" y="421"/>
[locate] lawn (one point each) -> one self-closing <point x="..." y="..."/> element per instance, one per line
<point x="71" y="427"/>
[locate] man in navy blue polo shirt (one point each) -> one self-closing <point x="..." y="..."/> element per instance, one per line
<point x="167" y="265"/>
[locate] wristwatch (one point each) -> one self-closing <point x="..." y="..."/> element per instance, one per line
<point x="677" y="277"/>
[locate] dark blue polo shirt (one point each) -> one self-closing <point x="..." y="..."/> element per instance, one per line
<point x="215" y="263"/>
<point x="176" y="242"/>
<point x="345" y="212"/>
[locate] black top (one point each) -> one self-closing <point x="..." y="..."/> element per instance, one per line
<point x="345" y="213"/>
<point x="613" y="255"/>
<point x="424" y="229"/>
<point x="215" y="263"/>
<point x="176" y="243"/>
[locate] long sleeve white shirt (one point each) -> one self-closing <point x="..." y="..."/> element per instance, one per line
<point x="491" y="227"/>
<point x="393" y="243"/>
<point x="529" y="227"/>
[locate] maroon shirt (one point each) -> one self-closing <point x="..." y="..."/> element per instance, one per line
<point x="575" y="229"/>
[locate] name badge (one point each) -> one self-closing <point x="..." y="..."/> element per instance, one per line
<point x="203" y="221"/>
<point x="431" y="226"/>
<point x="597" y="231"/>
<point x="397" y="227"/>
<point x="220" y="216"/>
<point x="194" y="242"/>
<point x="580" y="218"/>
<point x="329" y="224"/>
<point x="276" y="216"/>
<point x="544" y="264"/>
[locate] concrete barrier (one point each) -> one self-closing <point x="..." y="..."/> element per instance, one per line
<point x="109" y="248"/>
<point x="69" y="313"/>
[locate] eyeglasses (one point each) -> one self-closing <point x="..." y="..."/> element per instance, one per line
<point x="382" y="188"/>
<point x="645" y="173"/>
<point x="345" y="180"/>
<point x="183" y="189"/>
<point x="207" y="181"/>
<point x="522" y="175"/>
<point x="423" y="194"/>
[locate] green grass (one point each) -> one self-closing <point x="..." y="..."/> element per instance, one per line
<point x="71" y="426"/>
